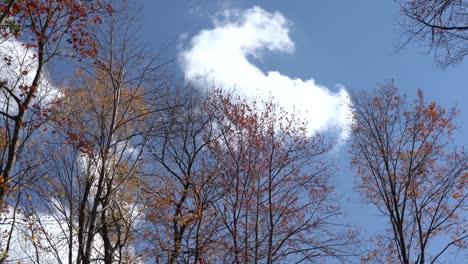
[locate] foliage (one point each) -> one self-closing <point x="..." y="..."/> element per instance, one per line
<point x="242" y="182"/>
<point x="44" y="29"/>
<point x="124" y="164"/>
<point x="403" y="158"/>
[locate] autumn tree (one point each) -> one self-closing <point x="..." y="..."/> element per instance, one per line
<point x="47" y="28"/>
<point x="183" y="223"/>
<point x="27" y="159"/>
<point x="234" y="183"/>
<point x="112" y="131"/>
<point x="440" y="24"/>
<point x="96" y="140"/>
<point x="409" y="168"/>
<point x="276" y="199"/>
<point x="33" y="33"/>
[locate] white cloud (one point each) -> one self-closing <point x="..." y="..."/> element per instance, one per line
<point x="51" y="237"/>
<point x="223" y="52"/>
<point x="18" y="66"/>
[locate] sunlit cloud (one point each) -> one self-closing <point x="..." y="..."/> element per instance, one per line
<point x="222" y="52"/>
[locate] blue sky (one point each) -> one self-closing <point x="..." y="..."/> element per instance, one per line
<point x="350" y="43"/>
<point x="336" y="43"/>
